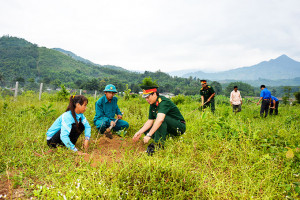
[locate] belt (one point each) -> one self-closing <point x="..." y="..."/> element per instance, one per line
<point x="182" y="122"/>
<point x="266" y="99"/>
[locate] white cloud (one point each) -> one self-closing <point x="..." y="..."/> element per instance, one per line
<point x="160" y="34"/>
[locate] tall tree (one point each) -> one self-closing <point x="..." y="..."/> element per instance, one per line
<point x="244" y="88"/>
<point x="287" y="94"/>
<point x="217" y="87"/>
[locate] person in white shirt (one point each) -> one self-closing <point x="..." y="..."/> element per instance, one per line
<point x="236" y="100"/>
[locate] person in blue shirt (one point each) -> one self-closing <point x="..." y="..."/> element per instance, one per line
<point x="265" y="97"/>
<point x="68" y="127"/>
<point x="274" y="105"/>
<point x="106" y="109"/>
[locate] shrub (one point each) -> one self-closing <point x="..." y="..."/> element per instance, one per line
<point x="179" y="99"/>
<point x="63" y="94"/>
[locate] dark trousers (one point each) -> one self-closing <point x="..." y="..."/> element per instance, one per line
<point x="74" y="135"/>
<point x="276" y="108"/>
<point x="169" y="127"/>
<point x="264" y="108"/>
<point x="237" y="107"/>
<point x="210" y="104"/>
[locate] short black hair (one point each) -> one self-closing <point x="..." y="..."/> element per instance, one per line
<point x="262" y="86"/>
<point x="235" y="87"/>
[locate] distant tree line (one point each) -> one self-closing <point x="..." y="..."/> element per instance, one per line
<point x="29" y="64"/>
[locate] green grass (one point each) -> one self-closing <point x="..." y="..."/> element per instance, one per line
<point x="221" y="156"/>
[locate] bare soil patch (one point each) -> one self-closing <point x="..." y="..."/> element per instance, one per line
<point x="114" y="150"/>
<point x="4" y="188"/>
<point x="7" y="191"/>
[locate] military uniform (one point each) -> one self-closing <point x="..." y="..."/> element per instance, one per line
<point x="173" y="124"/>
<point x="206" y="93"/>
<point x="106" y="111"/>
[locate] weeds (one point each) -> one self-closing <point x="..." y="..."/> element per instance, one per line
<point x="221" y="155"/>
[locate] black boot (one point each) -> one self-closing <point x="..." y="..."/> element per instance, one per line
<point x="150" y="149"/>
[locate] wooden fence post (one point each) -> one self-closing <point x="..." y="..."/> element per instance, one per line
<point x="80" y="91"/>
<point x="41" y="89"/>
<point x="16" y="90"/>
<point x="95" y="94"/>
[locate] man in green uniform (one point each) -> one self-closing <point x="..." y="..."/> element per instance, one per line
<point x="207" y="96"/>
<point x="164" y="119"/>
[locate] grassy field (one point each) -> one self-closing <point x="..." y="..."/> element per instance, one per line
<point x="221" y="156"/>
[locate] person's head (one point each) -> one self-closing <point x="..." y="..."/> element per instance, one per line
<point x="235" y="88"/>
<point x="203" y="83"/>
<point x="109" y="91"/>
<point x="151" y="98"/>
<point x="262" y="87"/>
<point x="150" y="95"/>
<point x="77" y="104"/>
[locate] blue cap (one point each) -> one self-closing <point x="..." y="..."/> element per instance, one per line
<point x="110" y="88"/>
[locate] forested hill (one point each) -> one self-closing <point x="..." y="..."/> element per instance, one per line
<point x="21" y="60"/>
<point x="74" y="56"/>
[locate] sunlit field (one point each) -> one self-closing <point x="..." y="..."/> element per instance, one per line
<point x="222" y="156"/>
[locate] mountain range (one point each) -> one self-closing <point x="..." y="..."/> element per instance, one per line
<point x="21" y="60"/>
<point x="281" y="68"/>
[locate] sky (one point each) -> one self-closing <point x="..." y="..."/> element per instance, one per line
<point x="166" y="35"/>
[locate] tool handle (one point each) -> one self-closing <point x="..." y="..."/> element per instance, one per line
<point x="111" y="126"/>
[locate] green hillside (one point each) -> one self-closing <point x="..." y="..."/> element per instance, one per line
<point x="78" y="58"/>
<point x="21" y="60"/>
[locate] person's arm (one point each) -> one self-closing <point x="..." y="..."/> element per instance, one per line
<point x="87" y="133"/>
<point x="241" y="99"/>
<point x="211" y="96"/>
<point x="100" y="114"/>
<point x="146" y="126"/>
<point x="259" y="100"/>
<point x="66" y="126"/>
<point x="231" y="98"/>
<point x="274" y="102"/>
<point x="202" y="100"/>
<point x="159" y="120"/>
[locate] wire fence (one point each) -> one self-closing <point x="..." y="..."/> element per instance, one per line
<point x="17" y="88"/>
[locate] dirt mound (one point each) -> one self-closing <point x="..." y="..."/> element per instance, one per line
<point x="4" y="188"/>
<point x="7" y="191"/>
<point x="114" y="150"/>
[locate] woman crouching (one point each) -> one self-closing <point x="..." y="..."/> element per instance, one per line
<point x="67" y="128"/>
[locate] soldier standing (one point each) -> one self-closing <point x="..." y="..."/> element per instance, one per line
<point x="207" y="96"/>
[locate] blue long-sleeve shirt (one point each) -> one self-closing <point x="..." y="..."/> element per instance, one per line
<point x="64" y="124"/>
<point x="274" y="98"/>
<point x="106" y="110"/>
<point x="265" y="94"/>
